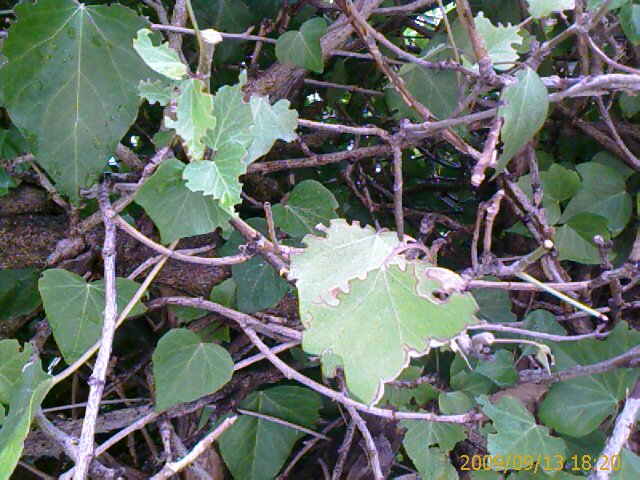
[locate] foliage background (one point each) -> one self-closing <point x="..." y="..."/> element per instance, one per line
<point x="313" y="238"/>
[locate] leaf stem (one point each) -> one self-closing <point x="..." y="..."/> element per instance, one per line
<point x="580" y="306"/>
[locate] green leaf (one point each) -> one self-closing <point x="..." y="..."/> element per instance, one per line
<point x="7" y="182"/>
<point x="256" y="448"/>
<point x="155" y="92"/>
<point x="226" y="15"/>
<point x="591" y="444"/>
<point x="234" y="120"/>
<point x="421" y="436"/>
<point x="576" y="407"/>
<point x="225" y="293"/>
<point x="436" y="90"/>
<point x="500" y="369"/>
<point x="603" y="193"/>
<point x="75" y="308"/>
<point x="302" y="47"/>
<point x="177" y="211"/>
<point x="220" y="177"/>
<point x="12" y="143"/>
<point x="18" y="293"/>
<point x="382" y="318"/>
<point x="12" y="359"/>
<point x="630" y="21"/>
<point x="194" y="114"/>
<point x="495" y="305"/>
<point x="501" y="42"/>
<point x="186" y="314"/>
<point x="544" y="8"/>
<point x="469" y="381"/>
<point x="360" y="250"/>
<point x="517" y="431"/>
<point x="559" y="183"/>
<point x="27" y="395"/>
<point x="258" y="285"/>
<point x="525" y="111"/>
<point x="540" y="321"/>
<point x="310" y="204"/>
<point x="629" y="104"/>
<point x="574" y="240"/>
<point x="398" y="396"/>
<point x="629" y="466"/>
<point x="454" y="403"/>
<point x="162" y="58"/>
<point x="433" y="463"/>
<point x="71" y="84"/>
<point x="270" y="123"/>
<point x="186" y="369"/>
<point x="612" y="5"/>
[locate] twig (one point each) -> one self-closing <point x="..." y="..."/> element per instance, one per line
<point x="289" y="372"/>
<point x="397" y="191"/>
<point x="97" y="380"/>
<point x="271" y="225"/>
<point x="528" y="278"/>
<point x="176" y="255"/>
<point x="268" y="329"/>
<point x="123" y="315"/>
<point x="408" y="8"/>
<point x="260" y="356"/>
<point x="151" y="261"/>
<point x="171" y="469"/>
<point x="344" y="450"/>
<point x="181" y="450"/>
<point x="624" y="427"/>
<point x="489" y="153"/>
<point x="279" y="421"/>
<point x="531" y="333"/>
<point x="159" y="9"/>
<point x="348" y="88"/>
<point x="629" y="359"/>
<point x="224" y="35"/>
<point x="308" y="445"/>
<point x="485" y="65"/>
<point x="493" y="208"/>
<point x="370" y="445"/>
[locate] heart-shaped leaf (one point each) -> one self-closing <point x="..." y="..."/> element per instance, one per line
<point x="302" y="47"/>
<point x="75" y="309"/>
<point x="310" y="204"/>
<point x="185" y="368"/>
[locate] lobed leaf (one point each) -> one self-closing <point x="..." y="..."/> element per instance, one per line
<point x="177" y="211"/>
<point x="384" y="319"/>
<point x="161" y="58"/>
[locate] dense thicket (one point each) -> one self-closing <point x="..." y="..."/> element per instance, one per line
<point x="319" y="239"/>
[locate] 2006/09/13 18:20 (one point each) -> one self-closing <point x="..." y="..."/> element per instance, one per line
<point x="540" y="462"/>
